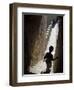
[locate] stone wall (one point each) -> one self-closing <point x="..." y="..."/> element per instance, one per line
<point x="36" y="26"/>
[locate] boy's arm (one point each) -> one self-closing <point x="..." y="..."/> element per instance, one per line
<point x="45" y="56"/>
<point x="55" y="58"/>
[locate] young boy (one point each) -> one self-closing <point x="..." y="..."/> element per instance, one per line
<point x="48" y="58"/>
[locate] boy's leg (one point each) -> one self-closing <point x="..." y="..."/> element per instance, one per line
<point x="48" y="68"/>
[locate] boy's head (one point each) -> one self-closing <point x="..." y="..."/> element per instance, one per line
<point x="51" y="48"/>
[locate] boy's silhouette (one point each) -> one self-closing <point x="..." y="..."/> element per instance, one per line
<point x="48" y="58"/>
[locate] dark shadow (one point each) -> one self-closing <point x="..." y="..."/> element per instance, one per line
<point x="31" y="27"/>
<point x="59" y="48"/>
